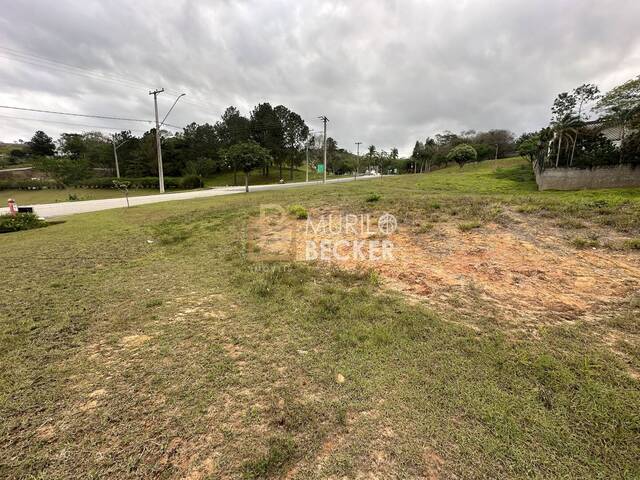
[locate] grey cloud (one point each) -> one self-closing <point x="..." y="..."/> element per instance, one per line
<point x="384" y="72"/>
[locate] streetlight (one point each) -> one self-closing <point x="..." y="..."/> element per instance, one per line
<point x="158" y="125"/>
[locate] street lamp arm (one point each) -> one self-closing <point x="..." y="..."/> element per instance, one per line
<point x="174" y="104"/>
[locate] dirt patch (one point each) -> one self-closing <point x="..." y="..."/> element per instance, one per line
<point x="134" y="341"/>
<point x="522" y="274"/>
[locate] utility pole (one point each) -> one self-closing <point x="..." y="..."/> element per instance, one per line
<point x="158" y="148"/>
<point x="115" y="152"/>
<point x="115" y="155"/>
<point x="358" y="163"/>
<point x="307" y="149"/>
<point x="324" y="121"/>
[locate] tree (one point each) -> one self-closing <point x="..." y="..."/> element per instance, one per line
<point x="563" y="105"/>
<point x="585" y="93"/>
<point x="428" y="151"/>
<point x="42" y="144"/>
<point x="416" y="155"/>
<point x="565" y="128"/>
<point x="294" y="134"/>
<point x="267" y="131"/>
<point x="247" y="156"/>
<point x="462" y="154"/>
<point x="622" y="104"/>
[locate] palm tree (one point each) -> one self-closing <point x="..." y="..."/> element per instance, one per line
<point x="565" y="128"/>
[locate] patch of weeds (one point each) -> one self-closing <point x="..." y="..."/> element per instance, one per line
<point x="468" y="226"/>
<point x="633" y="244"/>
<point x="372" y="197"/>
<point x="156" y="302"/>
<point x="424" y="228"/>
<point x="435" y="206"/>
<point x="582" y="243"/>
<point x="528" y="208"/>
<point x="298" y="211"/>
<point x="171" y="234"/>
<point x="571" y="223"/>
<point x="74" y="197"/>
<point x="280" y="453"/>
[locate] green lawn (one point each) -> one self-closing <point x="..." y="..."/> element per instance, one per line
<point x="34" y="197"/>
<point x="257" y="178"/>
<point x="145" y="343"/>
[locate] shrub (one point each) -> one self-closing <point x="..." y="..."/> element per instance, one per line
<point x="20" y="221"/>
<point x="462" y="154"/>
<point x="24" y="184"/>
<point x="191" y="181"/>
<point x="298" y="211"/>
<point x="373" y="197"/>
<point x="170" y="183"/>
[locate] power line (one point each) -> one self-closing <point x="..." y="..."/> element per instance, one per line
<point x="104" y="117"/>
<point x="39" y="120"/>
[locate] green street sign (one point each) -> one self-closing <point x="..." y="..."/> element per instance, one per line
<point x="320" y="168"/>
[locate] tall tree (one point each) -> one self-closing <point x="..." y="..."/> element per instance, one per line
<point x="42" y="144"/>
<point x="294" y="134"/>
<point x="267" y="131"/>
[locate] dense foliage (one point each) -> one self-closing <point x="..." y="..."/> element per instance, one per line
<point x="20" y="221"/>
<point x="588" y="129"/>
<point x="462" y="154"/>
<point x="433" y="152"/>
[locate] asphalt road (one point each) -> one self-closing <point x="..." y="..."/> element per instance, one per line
<point x="61" y="209"/>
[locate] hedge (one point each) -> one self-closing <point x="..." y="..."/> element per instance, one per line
<point x="26" y="184"/>
<point x="188" y="182"/>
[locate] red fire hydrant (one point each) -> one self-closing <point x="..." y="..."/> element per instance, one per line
<point x="13" y="207"/>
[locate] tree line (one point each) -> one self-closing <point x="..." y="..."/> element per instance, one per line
<point x="588" y="129"/>
<point x="278" y="136"/>
<point x="467" y="146"/>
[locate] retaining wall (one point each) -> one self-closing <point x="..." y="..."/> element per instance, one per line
<point x="618" y="176"/>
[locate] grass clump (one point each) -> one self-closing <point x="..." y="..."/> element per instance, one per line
<point x="582" y="243"/>
<point x="373" y="197"/>
<point x="468" y="226"/>
<point x="280" y="453"/>
<point x="633" y="244"/>
<point x="20" y="221"/>
<point x="299" y="212"/>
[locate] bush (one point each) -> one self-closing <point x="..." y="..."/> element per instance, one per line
<point x="170" y="183"/>
<point x="191" y="181"/>
<point x="23" y="184"/>
<point x="631" y="149"/>
<point x="20" y="221"/>
<point x="298" y="211"/>
<point x="462" y="154"/>
<point x="373" y="197"/>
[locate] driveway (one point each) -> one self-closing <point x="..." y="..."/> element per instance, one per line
<point x="49" y="210"/>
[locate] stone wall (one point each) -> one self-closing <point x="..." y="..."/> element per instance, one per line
<point x="618" y="176"/>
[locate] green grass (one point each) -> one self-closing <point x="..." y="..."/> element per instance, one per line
<point x="257" y="178"/>
<point x="34" y="197"/>
<point x="182" y="356"/>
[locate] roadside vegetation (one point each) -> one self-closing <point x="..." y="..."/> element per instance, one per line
<point x="151" y="335"/>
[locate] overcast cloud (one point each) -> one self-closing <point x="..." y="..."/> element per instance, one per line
<point x="383" y="72"/>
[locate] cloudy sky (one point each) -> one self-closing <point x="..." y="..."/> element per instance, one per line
<point x="383" y="72"/>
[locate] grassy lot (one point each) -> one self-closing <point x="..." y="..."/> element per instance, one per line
<point x="34" y="197"/>
<point x="146" y="343"/>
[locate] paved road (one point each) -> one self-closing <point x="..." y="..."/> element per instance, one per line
<point x="48" y="210"/>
